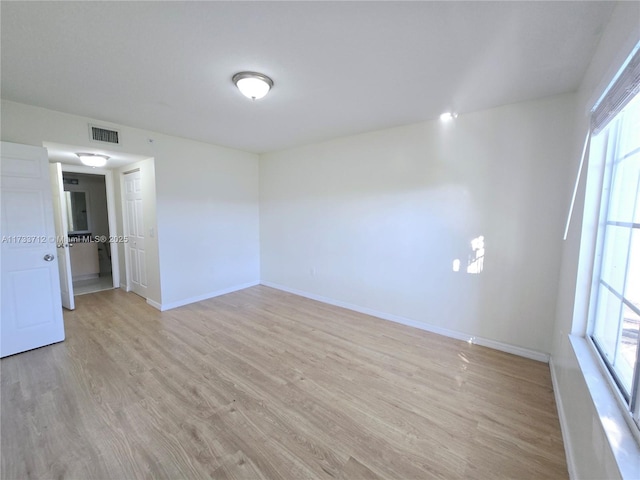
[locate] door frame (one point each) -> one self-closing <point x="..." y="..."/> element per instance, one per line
<point x="62" y="236"/>
<point x="114" y="232"/>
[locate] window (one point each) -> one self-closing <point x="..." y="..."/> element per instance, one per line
<point x="615" y="297"/>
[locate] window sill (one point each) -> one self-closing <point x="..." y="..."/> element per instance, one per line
<point x="620" y="434"/>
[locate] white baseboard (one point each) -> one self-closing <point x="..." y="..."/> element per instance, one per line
<point x="564" y="426"/>
<point x="180" y="303"/>
<point x="485" y="342"/>
<point x="154" y="304"/>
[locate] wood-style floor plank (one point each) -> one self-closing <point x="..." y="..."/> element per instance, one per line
<point x="262" y="384"/>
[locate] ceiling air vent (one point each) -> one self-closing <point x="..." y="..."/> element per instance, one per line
<point x="100" y="134"/>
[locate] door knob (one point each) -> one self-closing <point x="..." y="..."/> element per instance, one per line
<point x="48" y="257"/>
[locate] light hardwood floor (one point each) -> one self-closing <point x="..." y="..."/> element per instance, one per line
<point x="262" y="384"/>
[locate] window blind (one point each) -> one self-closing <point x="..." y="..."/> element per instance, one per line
<point x="623" y="88"/>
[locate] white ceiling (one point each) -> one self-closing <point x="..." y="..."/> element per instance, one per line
<point x="339" y="68"/>
<point x="67" y="154"/>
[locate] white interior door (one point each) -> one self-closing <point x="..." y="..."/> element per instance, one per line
<point x="30" y="285"/>
<point x="135" y="247"/>
<point x="62" y="234"/>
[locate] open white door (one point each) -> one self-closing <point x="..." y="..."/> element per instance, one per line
<point x="134" y="224"/>
<point x="62" y="234"/>
<point x="30" y="285"/>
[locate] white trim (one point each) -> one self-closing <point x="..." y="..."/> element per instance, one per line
<point x="485" y="342"/>
<point x="615" y="391"/>
<point x="113" y="227"/>
<point x="564" y="425"/>
<point x="620" y="438"/>
<point x="155" y="304"/>
<point x="513" y="349"/>
<point x="125" y="232"/>
<point x="168" y="306"/>
<point x="111" y="212"/>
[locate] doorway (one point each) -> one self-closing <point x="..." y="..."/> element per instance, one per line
<point x="88" y="232"/>
<point x="113" y="253"/>
<point x="89" y="208"/>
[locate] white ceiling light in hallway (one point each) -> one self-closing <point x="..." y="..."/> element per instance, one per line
<point x="93" y="159"/>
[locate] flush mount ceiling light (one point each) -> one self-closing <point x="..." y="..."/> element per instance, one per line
<point x="252" y="85"/>
<point x="93" y="159"/>
<point x="448" y="116"/>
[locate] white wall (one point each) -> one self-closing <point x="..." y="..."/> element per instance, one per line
<point x="207" y="238"/>
<point x="208" y="221"/>
<point x="375" y="221"/>
<point x="590" y="453"/>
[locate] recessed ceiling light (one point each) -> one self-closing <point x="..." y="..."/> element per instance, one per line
<point x="93" y="159"/>
<point x="253" y="85"/>
<point x="448" y="116"/>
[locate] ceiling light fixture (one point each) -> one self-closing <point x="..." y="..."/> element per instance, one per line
<point x="252" y="85"/>
<point x="93" y="159"/>
<point x="448" y="116"/>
